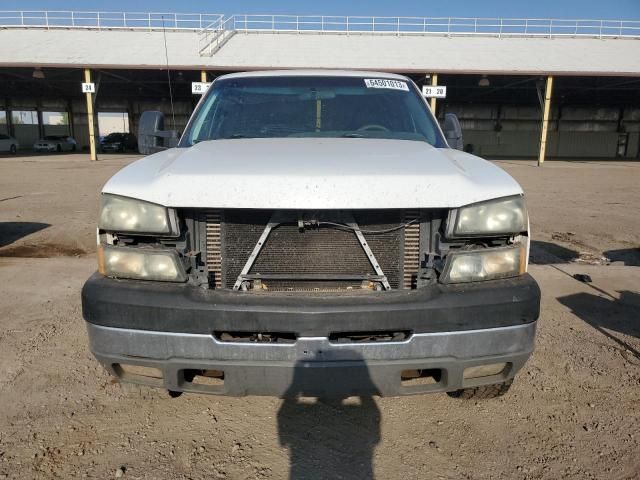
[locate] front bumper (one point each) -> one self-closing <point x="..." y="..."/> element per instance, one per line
<point x="171" y="328"/>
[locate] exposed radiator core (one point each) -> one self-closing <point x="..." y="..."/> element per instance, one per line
<point x="411" y="247"/>
<point x="232" y="235"/>
<point x="213" y="220"/>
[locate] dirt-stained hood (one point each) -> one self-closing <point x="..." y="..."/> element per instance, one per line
<point x="312" y="173"/>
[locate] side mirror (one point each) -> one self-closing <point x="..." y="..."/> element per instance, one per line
<point x="152" y="137"/>
<point x="453" y="131"/>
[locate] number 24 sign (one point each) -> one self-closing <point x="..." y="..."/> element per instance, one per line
<point x="88" y="88"/>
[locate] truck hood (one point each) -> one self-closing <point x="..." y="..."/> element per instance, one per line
<point x="312" y="173"/>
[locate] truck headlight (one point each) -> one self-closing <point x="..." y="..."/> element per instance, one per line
<point x="496" y="217"/>
<point x="486" y="264"/>
<point x="128" y="215"/>
<point x="140" y="264"/>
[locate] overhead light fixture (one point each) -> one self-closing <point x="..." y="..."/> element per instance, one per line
<point x="484" y="81"/>
<point x="38" y="73"/>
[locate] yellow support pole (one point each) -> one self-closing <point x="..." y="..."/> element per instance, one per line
<point x="434" y="81"/>
<point x="203" y="76"/>
<point x="92" y="134"/>
<point x="545" y="120"/>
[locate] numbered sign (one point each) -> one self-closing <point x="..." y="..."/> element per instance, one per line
<point x="198" y="88"/>
<point x="88" y="88"/>
<point x="434" y="91"/>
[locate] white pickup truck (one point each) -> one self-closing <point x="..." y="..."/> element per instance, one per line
<point x="312" y="233"/>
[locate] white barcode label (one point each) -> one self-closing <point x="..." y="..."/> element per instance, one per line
<point x="386" y="83"/>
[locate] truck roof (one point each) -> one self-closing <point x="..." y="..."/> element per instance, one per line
<point x="314" y="73"/>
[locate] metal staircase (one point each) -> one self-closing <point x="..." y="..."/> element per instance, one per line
<point x="213" y="37"/>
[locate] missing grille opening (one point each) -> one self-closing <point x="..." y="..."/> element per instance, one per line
<point x="365" y="337"/>
<point x="139" y="374"/>
<point x="327" y="252"/>
<point x="314" y="286"/>
<point x="137" y="370"/>
<point x="209" y="378"/>
<point x="428" y="376"/>
<point x="256" y="337"/>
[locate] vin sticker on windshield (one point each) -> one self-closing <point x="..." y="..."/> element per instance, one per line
<point x="386" y="83"/>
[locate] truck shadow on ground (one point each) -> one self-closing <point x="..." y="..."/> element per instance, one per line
<point x="547" y="253"/>
<point x="609" y="315"/>
<point x="12" y="231"/>
<point x="331" y="437"/>
<point x="628" y="256"/>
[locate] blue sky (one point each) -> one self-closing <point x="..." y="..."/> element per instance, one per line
<point x="594" y="9"/>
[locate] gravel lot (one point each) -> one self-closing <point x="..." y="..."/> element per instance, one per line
<point x="573" y="412"/>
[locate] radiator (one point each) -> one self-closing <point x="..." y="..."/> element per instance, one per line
<point x="325" y="250"/>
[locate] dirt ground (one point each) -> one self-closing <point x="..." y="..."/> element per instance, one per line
<point x="573" y="412"/>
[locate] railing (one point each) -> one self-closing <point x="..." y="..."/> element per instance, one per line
<point x="436" y="25"/>
<point x="207" y="23"/>
<point x="106" y="20"/>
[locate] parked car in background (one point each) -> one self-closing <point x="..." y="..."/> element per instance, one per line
<point x="55" y="143"/>
<point x="119" y="142"/>
<point x="8" y="144"/>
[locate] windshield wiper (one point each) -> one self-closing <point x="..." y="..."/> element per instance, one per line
<point x="352" y="135"/>
<point x="235" y="135"/>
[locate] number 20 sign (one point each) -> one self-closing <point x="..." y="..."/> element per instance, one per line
<point x="434" y="91"/>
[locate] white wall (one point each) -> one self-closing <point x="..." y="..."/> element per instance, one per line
<point x="408" y="53"/>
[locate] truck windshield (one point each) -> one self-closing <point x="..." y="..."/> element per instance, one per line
<point x="310" y="106"/>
